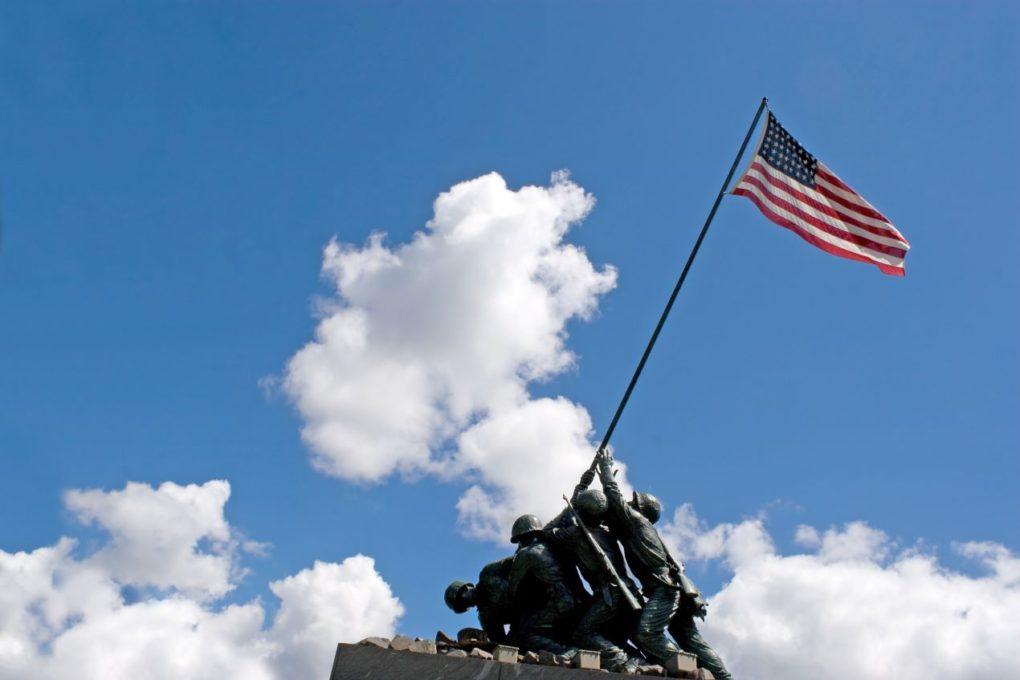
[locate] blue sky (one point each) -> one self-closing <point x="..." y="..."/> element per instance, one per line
<point x="170" y="173"/>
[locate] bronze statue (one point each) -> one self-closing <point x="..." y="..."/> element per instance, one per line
<point x="491" y="596"/>
<point x="538" y="594"/>
<point x="538" y="586"/>
<point x="647" y="558"/>
<point x="611" y="612"/>
<point x="663" y="581"/>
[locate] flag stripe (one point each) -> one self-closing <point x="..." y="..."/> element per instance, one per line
<point x="895" y="270"/>
<point x="794" y="212"/>
<point x="817" y="200"/>
<point x="848" y="198"/>
<point x="795" y="200"/>
<point x="831" y="177"/>
<point x="776" y="208"/>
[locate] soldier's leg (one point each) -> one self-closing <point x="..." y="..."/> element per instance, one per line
<point x="686" y="634"/>
<point x="650" y="635"/>
<point x="589" y="634"/>
<point x="541" y="641"/>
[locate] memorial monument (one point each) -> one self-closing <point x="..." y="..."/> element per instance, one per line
<point x="533" y="607"/>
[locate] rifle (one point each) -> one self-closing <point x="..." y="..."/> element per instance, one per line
<point x="607" y="564"/>
<point x="687" y="587"/>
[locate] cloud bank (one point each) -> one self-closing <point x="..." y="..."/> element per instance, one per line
<point x="147" y="603"/>
<point x="854" y="606"/>
<point x="422" y="360"/>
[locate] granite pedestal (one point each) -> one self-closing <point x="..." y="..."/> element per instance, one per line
<point x="368" y="662"/>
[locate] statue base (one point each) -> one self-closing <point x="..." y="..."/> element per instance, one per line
<point x="369" y="662"/>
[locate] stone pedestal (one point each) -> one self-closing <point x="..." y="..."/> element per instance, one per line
<point x="370" y="662"/>
<point x="587" y="659"/>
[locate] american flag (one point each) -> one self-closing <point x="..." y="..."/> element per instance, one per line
<point x="797" y="191"/>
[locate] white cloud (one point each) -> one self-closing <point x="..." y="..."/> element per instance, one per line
<point x="737" y="544"/>
<point x="995" y="557"/>
<point x="328" y="603"/>
<point x="168" y="557"/>
<point x="503" y="452"/>
<point x="422" y="362"/>
<point x="161" y="638"/>
<point x="854" y="607"/>
<point x="63" y="615"/>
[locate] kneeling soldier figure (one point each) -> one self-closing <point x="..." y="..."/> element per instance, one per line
<point x="491" y="596"/>
<point x="539" y="590"/>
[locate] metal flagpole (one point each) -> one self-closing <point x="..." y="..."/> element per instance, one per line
<point x="679" y="284"/>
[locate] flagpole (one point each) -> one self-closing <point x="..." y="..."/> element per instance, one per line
<point x="679" y="283"/>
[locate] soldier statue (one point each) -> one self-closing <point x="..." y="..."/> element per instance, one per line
<point x="491" y="596"/>
<point x="538" y="593"/>
<point x="664" y="585"/>
<point x="541" y="591"/>
<point x="608" y="615"/>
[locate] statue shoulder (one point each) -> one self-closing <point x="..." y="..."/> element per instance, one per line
<point x="498" y="569"/>
<point x="534" y="554"/>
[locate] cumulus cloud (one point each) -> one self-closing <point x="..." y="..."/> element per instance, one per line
<point x="139" y="554"/>
<point x="69" y="615"/>
<point x="326" y="604"/>
<point x="853" y="605"/>
<point x="422" y="360"/>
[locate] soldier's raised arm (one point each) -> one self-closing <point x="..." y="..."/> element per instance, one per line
<point x="564" y="520"/>
<point x="617" y="505"/>
<point x="587" y="477"/>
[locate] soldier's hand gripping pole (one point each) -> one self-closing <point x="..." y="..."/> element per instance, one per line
<point x="607" y="564"/>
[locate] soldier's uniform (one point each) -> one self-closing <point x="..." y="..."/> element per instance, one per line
<point x="648" y="559"/>
<point x="495" y="609"/>
<point x="661" y="583"/>
<point x="563" y="554"/>
<point x="538" y="588"/>
<point x="491" y="596"/>
<point x="608" y="615"/>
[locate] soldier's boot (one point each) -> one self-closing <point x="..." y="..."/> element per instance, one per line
<point x="539" y="641"/>
<point x="613" y="660"/>
<point x="611" y="657"/>
<point x="687" y="636"/>
<point x="711" y="662"/>
<point x="630" y="667"/>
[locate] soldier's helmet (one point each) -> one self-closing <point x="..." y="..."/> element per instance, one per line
<point x="524" y="525"/>
<point x="591" y="504"/>
<point x="648" y="505"/>
<point x="452" y="596"/>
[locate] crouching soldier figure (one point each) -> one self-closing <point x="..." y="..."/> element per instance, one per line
<point x="491" y="596"/>
<point x="684" y="631"/>
<point x="540" y="592"/>
<point x="601" y="563"/>
<point x="662" y="580"/>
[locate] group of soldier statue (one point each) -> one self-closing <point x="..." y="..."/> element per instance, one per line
<point x="536" y="601"/>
